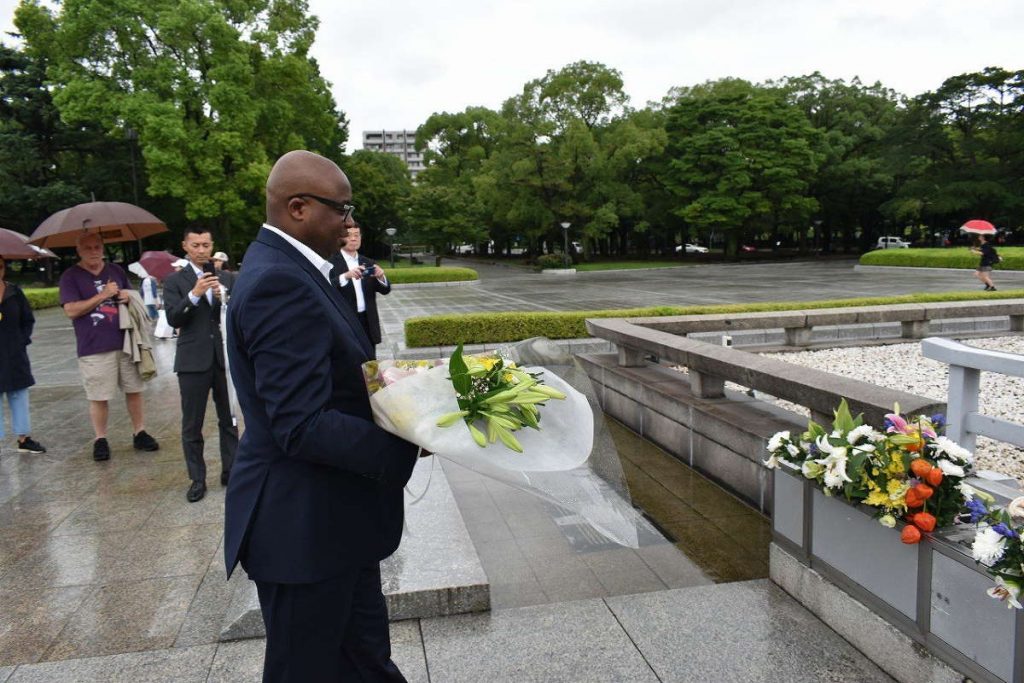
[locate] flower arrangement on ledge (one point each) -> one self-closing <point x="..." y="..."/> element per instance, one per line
<point x="908" y="471"/>
<point x="997" y="544"/>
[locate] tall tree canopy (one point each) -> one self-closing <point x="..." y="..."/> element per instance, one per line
<point x="215" y="90"/>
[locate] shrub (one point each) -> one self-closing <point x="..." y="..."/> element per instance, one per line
<point x="545" y="261"/>
<point x="405" y="276"/>
<point x="510" y="326"/>
<point x="47" y="297"/>
<point x="961" y="257"/>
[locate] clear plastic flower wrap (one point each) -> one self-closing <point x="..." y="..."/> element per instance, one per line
<point x="571" y="461"/>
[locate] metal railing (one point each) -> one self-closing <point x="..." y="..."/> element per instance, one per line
<point x="966" y="363"/>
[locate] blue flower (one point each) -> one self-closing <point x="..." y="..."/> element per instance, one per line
<point x="939" y="420"/>
<point x="977" y="510"/>
<point x="1004" y="530"/>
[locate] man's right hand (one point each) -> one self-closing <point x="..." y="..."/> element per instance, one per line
<point x="354" y="274"/>
<point x="110" y="290"/>
<point x="204" y="283"/>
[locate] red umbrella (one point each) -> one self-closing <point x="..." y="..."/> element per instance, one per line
<point x="114" y="221"/>
<point x="979" y="227"/>
<point x="14" y="245"/>
<point x="158" y="263"/>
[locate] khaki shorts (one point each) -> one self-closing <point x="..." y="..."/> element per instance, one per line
<point x="104" y="373"/>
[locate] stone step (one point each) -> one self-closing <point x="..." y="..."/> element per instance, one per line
<point x="435" y="572"/>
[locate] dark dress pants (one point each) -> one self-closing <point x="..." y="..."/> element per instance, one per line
<point x="329" y="632"/>
<point x="195" y="390"/>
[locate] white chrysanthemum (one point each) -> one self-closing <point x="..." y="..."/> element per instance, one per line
<point x="793" y="450"/>
<point x="954" y="451"/>
<point x="950" y="470"/>
<point x="989" y="546"/>
<point x="775" y="443"/>
<point x="863" y="432"/>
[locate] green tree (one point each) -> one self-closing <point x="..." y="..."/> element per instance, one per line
<point x="854" y="177"/>
<point x="214" y="88"/>
<point x="740" y="159"/>
<point x="381" y="194"/>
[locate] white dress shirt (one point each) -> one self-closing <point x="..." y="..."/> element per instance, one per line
<point x="209" y="293"/>
<point x="352" y="261"/>
<point x="320" y="264"/>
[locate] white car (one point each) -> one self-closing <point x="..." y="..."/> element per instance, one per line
<point x="464" y="249"/>
<point x="891" y="242"/>
<point x="692" y="249"/>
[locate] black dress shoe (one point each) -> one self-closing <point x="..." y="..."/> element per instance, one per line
<point x="144" y="442"/>
<point x="100" y="450"/>
<point x="224" y="478"/>
<point x="196" y="491"/>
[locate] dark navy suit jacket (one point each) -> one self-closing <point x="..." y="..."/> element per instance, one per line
<point x="316" y="486"/>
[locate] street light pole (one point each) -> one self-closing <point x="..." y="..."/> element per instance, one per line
<point x="391" y="237"/>
<point x="565" y="246"/>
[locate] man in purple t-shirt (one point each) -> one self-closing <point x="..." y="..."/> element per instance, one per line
<point x="89" y="292"/>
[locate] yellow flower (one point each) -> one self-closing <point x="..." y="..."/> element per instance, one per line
<point x="488" y="363"/>
<point x="874" y="471"/>
<point x="877" y="498"/>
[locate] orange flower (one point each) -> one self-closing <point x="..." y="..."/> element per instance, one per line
<point x="925" y="521"/>
<point x="920" y="467"/>
<point x="914" y="499"/>
<point x="911" y="534"/>
<point x="914" y="447"/>
<point x="923" y="490"/>
<point x="935" y="476"/>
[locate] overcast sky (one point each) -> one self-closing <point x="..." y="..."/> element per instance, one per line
<point x="392" y="64"/>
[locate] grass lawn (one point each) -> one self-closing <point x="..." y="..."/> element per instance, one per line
<point x="950" y="257"/>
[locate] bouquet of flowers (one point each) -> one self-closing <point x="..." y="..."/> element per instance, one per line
<point x="493" y="390"/>
<point x="495" y="398"/>
<point x="997" y="544"/>
<point x="907" y="471"/>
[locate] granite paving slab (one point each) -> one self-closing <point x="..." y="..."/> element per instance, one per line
<point x="126" y="617"/>
<point x="238" y="662"/>
<point x="182" y="665"/>
<point x="30" y="620"/>
<point x="5" y="673"/>
<point x="570" y="641"/>
<point x="750" y="631"/>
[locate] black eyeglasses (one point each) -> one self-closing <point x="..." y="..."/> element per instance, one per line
<point x="344" y="210"/>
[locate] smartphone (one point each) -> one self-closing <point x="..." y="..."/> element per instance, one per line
<point x="368" y="269"/>
<point x="208" y="267"/>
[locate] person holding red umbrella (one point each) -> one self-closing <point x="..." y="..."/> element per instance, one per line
<point x="989" y="258"/>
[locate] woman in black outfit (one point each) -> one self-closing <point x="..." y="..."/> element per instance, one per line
<point x="989" y="258"/>
<point x="16" y="323"/>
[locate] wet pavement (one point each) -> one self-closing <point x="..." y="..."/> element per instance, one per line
<point x="108" y="574"/>
<point x="516" y="288"/>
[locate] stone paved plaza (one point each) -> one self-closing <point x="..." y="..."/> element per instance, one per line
<point x="108" y="574"/>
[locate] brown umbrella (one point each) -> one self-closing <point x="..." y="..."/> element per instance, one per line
<point x="114" y="221"/>
<point x="14" y="245"/>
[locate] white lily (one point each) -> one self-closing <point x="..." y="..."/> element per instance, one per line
<point x="1008" y="591"/>
<point x="834" y="463"/>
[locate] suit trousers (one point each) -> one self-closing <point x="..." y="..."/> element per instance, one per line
<point x="195" y="390"/>
<point x="328" y="632"/>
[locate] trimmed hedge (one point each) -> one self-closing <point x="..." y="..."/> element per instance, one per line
<point x="957" y="257"/>
<point x="45" y="297"/>
<point x="406" y="276"/>
<point x="491" y="328"/>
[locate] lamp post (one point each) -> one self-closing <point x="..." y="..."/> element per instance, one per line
<point x="565" y="247"/>
<point x="391" y="238"/>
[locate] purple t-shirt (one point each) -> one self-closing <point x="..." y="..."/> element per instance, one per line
<point x="98" y="331"/>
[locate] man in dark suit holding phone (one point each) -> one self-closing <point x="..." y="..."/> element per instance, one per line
<point x="360" y="280"/>
<point x="192" y="300"/>
<point x="315" y="500"/>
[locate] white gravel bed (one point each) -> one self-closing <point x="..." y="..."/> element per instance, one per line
<point x="902" y="367"/>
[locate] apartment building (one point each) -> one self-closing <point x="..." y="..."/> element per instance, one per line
<point x="401" y="143"/>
